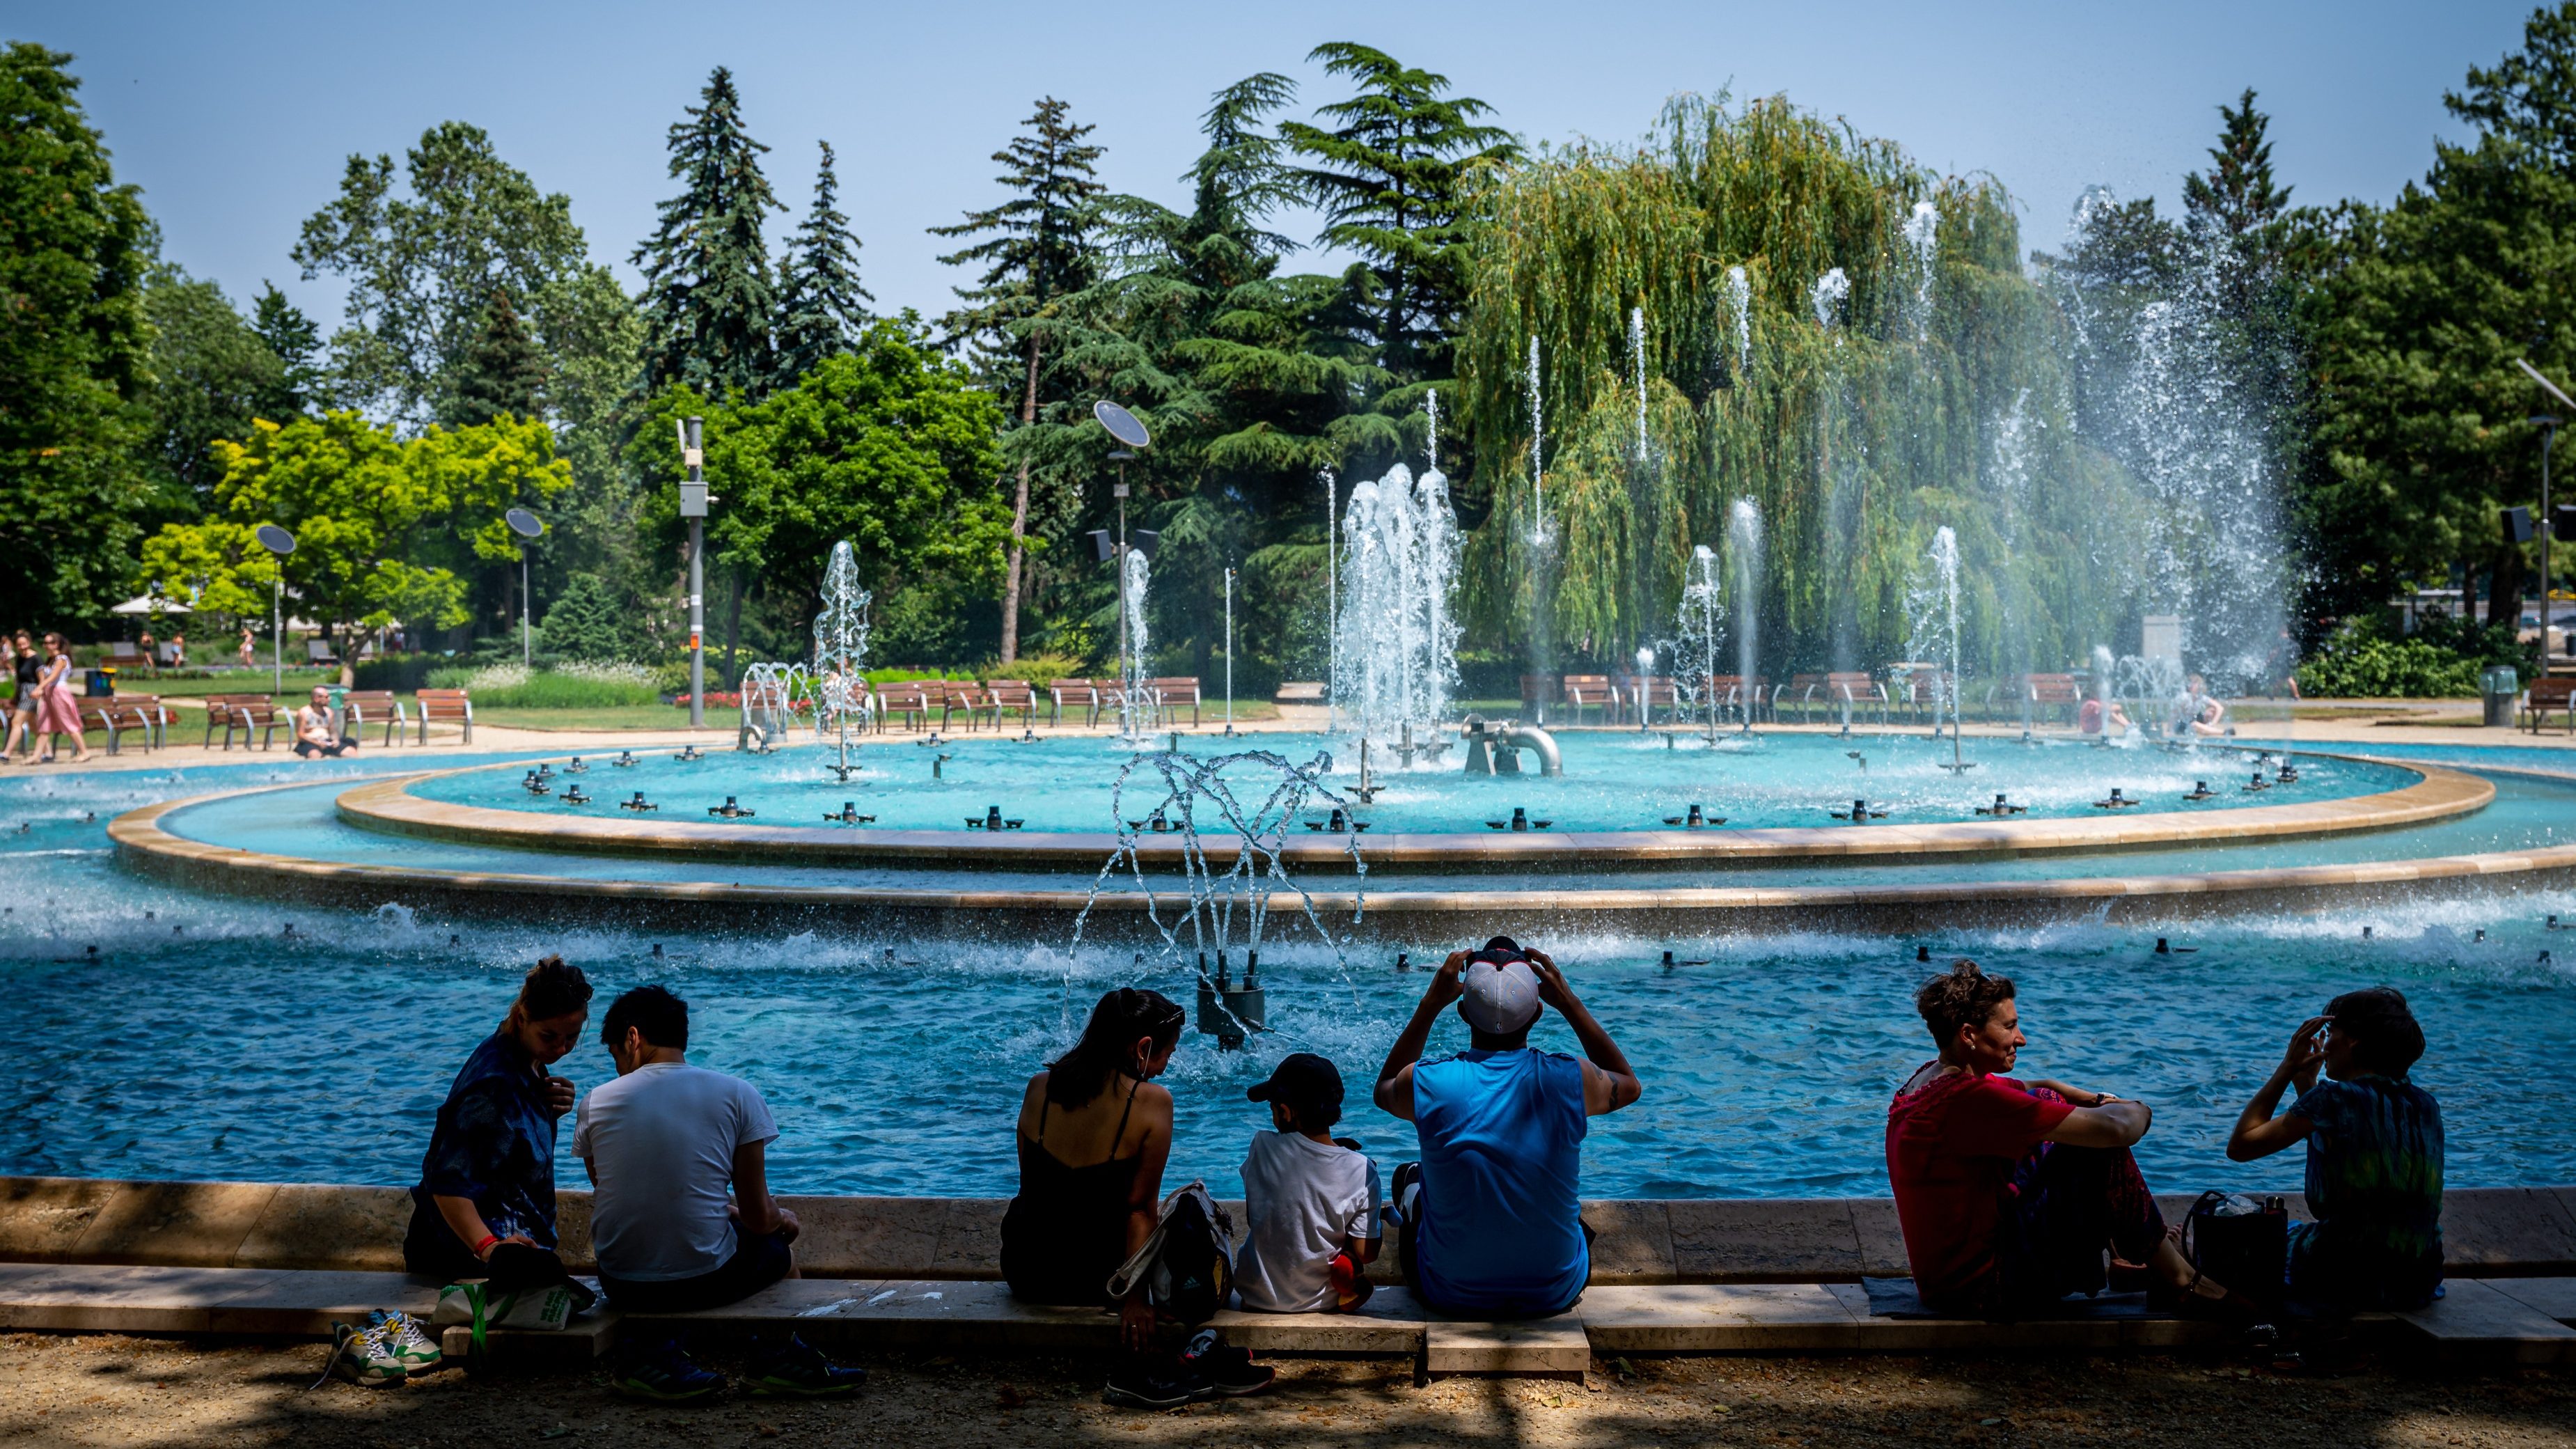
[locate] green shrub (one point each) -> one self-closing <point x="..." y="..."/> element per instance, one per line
<point x="2357" y="663"/>
<point x="589" y="623"/>
<point x="573" y="686"/>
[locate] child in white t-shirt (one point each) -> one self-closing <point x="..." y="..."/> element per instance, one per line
<point x="1313" y="1202"/>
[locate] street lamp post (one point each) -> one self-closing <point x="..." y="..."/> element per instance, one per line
<point x="2548" y="435"/>
<point x="1131" y="434"/>
<point x="281" y="543"/>
<point x="527" y="526"/>
<point x="1229" y="650"/>
<point x="693" y="507"/>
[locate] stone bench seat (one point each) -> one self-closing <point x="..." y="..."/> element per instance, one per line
<point x="2480" y="1321"/>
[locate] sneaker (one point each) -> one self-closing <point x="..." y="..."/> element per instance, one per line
<point x="406" y="1340"/>
<point x="1229" y="1370"/>
<point x="1157" y="1384"/>
<point x="792" y="1369"/>
<point x="663" y="1371"/>
<point x="362" y="1356"/>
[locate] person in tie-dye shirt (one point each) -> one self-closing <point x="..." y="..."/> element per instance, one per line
<point x="2374" y="1155"/>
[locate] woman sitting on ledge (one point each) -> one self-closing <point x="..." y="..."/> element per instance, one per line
<point x="2008" y="1191"/>
<point x="489" y="1175"/>
<point x="2374" y="1155"/>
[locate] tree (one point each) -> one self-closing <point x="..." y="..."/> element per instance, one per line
<point x="211" y="375"/>
<point x="74" y="354"/>
<point x="2236" y="197"/>
<point x="368" y="510"/>
<point x="1036" y="248"/>
<point x="888" y="445"/>
<point x="502" y="374"/>
<point x="588" y="622"/>
<point x="1391" y="179"/>
<point x="422" y="268"/>
<point x="709" y="298"/>
<point x="296" y="342"/>
<point x="822" y="305"/>
<point x="2422" y="311"/>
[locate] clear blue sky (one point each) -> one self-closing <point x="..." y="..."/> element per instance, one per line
<point x="236" y="118"/>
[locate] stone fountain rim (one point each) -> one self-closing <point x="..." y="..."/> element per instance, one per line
<point x="388" y="806"/>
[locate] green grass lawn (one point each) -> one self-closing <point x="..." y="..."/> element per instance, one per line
<point x="604" y="717"/>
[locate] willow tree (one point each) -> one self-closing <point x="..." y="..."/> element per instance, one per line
<point x="1924" y="392"/>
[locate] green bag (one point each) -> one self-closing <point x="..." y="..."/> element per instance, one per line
<point x="477" y="1304"/>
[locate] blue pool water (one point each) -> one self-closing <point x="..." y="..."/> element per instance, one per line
<point x="201" y="1041"/>
<point x="1613" y="780"/>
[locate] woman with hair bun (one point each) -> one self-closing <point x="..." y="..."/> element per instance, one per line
<point x="2374" y="1155"/>
<point x="488" y="1178"/>
<point x="2008" y="1191"/>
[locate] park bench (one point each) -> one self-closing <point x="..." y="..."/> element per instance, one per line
<point x="1649" y="690"/>
<point x="121" y="653"/>
<point x="1171" y="694"/>
<point x="1112" y="697"/>
<point x="249" y="713"/>
<point x="171" y="658"/>
<point x="1011" y="694"/>
<point x="902" y="697"/>
<point x="2056" y="694"/>
<point x="442" y="706"/>
<point x="1303" y="691"/>
<point x="362" y="707"/>
<point x="318" y="651"/>
<point x="1850" y="691"/>
<point x="1591" y="691"/>
<point x="1075" y="692"/>
<point x="2548" y="692"/>
<point x="966" y="697"/>
<point x="1537" y="692"/>
<point x="1733" y="697"/>
<point x="120" y="713"/>
<point x="1803" y="693"/>
<point x="1923" y="692"/>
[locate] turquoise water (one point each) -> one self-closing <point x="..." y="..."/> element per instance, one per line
<point x="1613" y="780"/>
<point x="203" y="1041"/>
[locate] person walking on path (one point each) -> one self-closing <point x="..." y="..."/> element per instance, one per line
<point x="28" y="666"/>
<point x="56" y="712"/>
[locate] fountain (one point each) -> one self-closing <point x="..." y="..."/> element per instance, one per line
<point x="1827" y="297"/>
<point x="1395" y="651"/>
<point x="771" y="694"/>
<point x="1933" y="605"/>
<point x="1739" y="298"/>
<point x="1922" y="242"/>
<point x="1538" y="451"/>
<point x="1744" y="567"/>
<point x="841" y="656"/>
<point x="1137" y="707"/>
<point x="1697" y="621"/>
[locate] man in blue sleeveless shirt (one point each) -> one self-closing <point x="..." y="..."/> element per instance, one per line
<point x="1494" y="1229"/>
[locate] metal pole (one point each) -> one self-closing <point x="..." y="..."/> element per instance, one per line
<point x="527" y="651"/>
<point x="277" y="634"/>
<point x="696" y="443"/>
<point x="1121" y="558"/>
<point x="1229" y="651"/>
<point x="1332" y="600"/>
<point x="2548" y="436"/>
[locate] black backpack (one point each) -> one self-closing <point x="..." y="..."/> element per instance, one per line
<point x="1187" y="1266"/>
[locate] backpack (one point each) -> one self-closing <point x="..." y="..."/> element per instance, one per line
<point x="2241" y="1242"/>
<point x="1187" y="1266"/>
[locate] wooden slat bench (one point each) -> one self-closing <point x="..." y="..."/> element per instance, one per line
<point x="1170" y="694"/>
<point x="1591" y="691"/>
<point x="2052" y="696"/>
<point x="444" y="706"/>
<point x="1011" y="694"/>
<point x="1849" y="692"/>
<point x="250" y="713"/>
<point x="907" y="698"/>
<point x="121" y="714"/>
<point x="1645" y="692"/>
<point x="365" y="706"/>
<point x="1075" y="692"/>
<point x="121" y="653"/>
<point x="2548" y="692"/>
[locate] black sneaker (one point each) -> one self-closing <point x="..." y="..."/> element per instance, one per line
<point x="1157" y="1384"/>
<point x="791" y="1369"/>
<point x="1231" y="1370"/>
<point x="664" y="1372"/>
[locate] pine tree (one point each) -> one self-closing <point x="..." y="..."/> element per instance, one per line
<point x="1390" y="182"/>
<point x="2236" y="197"/>
<point x="296" y="341"/>
<point x="1036" y="249"/>
<point x="708" y="293"/>
<point x="504" y="371"/>
<point x="823" y="305"/>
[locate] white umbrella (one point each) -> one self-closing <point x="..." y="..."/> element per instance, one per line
<point x="147" y="604"/>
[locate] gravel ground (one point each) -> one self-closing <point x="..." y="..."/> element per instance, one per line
<point x="128" y="1391"/>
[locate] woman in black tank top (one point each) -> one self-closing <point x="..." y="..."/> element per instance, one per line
<point x="1086" y="1202"/>
<point x="28" y="667"/>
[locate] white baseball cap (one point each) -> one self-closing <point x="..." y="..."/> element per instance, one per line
<point x="1501" y="999"/>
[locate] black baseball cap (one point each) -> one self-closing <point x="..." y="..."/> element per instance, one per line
<point x="1302" y="1079"/>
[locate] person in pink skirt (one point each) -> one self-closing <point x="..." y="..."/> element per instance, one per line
<point x="56" y="714"/>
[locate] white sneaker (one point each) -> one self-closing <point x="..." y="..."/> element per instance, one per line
<point x="362" y="1356"/>
<point x="405" y="1340"/>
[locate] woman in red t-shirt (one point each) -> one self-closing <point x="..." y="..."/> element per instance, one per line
<point x="2008" y="1191"/>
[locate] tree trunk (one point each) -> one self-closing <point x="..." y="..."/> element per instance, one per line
<point x="2504" y="588"/>
<point x="1019" y="522"/>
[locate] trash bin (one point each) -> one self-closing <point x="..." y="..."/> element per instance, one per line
<point x="2498" y="686"/>
<point x="101" y="682"/>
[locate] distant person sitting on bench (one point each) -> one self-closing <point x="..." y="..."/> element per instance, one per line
<point x="2196" y="712"/>
<point x="681" y="1216"/>
<point x="488" y="1178"/>
<point x="2007" y="1191"/>
<point x="317" y="728"/>
<point x="2374" y="1155"/>
<point x="1492" y="1214"/>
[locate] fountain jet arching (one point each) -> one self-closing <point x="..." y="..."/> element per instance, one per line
<point x="841" y="655"/>
<point x="1395" y="650"/>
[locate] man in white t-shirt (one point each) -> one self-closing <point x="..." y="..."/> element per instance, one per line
<point x="1313" y="1201"/>
<point x="681" y="1216"/>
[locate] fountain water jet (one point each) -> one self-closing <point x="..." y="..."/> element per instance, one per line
<point x="841" y="654"/>
<point x="1395" y="653"/>
<point x="1744" y="568"/>
<point x="1701" y="612"/>
<point x="1934" y="604"/>
<point x="1136" y="706"/>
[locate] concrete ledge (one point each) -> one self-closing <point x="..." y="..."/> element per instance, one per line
<point x="2489" y="1232"/>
